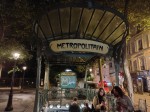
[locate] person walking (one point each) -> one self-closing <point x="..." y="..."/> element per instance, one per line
<point x="123" y="102"/>
<point x="99" y="101"/>
<point x="86" y="108"/>
<point x="74" y="107"/>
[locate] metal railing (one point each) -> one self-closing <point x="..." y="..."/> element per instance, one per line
<point x="56" y="96"/>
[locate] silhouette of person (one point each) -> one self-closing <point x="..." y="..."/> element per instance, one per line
<point x="74" y="107"/>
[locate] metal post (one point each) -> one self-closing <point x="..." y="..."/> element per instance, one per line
<point x="46" y="78"/>
<point x="85" y="80"/>
<point x="117" y="72"/>
<point x="60" y="89"/>
<point x="22" y="85"/>
<point x="100" y="72"/>
<point x="9" y="103"/>
<point x="36" y="103"/>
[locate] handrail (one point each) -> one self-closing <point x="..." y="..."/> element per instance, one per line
<point x="56" y="96"/>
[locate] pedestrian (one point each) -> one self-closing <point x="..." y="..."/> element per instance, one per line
<point x="123" y="102"/>
<point x="74" y="107"/>
<point x="99" y="101"/>
<point x="86" y="108"/>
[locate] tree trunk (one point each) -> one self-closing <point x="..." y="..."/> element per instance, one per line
<point x="129" y="80"/>
<point x="117" y="72"/>
<point x="1" y="69"/>
<point x="2" y="30"/>
<point x="127" y="72"/>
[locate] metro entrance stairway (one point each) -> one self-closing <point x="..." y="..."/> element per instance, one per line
<point x="62" y="100"/>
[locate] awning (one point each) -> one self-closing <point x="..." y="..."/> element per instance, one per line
<point x="76" y="20"/>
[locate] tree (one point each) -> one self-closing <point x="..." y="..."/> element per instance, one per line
<point x="15" y="24"/>
<point x="138" y="12"/>
<point x="10" y="46"/>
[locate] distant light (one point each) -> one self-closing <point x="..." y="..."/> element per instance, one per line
<point x="51" y="106"/>
<point x="82" y="105"/>
<point x="139" y="78"/>
<point x="24" y="67"/>
<point x="68" y="70"/>
<point x="67" y="105"/>
<point x="90" y="69"/>
<point x="58" y="106"/>
<point x="104" y="65"/>
<point x="16" y="55"/>
<point x="90" y="105"/>
<point x="109" y="84"/>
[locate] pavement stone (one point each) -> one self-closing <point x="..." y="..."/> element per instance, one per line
<point x="145" y="96"/>
<point x="24" y="102"/>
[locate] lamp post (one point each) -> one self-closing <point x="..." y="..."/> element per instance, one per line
<point x="9" y="106"/>
<point x="22" y="85"/>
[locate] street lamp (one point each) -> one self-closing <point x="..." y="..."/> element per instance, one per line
<point x="22" y="85"/>
<point x="9" y="103"/>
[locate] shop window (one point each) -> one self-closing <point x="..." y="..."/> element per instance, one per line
<point x="140" y="45"/>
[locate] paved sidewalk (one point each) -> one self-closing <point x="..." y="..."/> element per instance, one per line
<point x="145" y="96"/>
<point x="24" y="102"/>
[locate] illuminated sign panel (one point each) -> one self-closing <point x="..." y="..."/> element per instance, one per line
<point x="79" y="45"/>
<point x="68" y="81"/>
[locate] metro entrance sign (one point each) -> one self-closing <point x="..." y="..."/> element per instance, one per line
<point x="79" y="45"/>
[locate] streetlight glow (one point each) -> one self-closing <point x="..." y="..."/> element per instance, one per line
<point x="90" y="69"/>
<point x="24" y="67"/>
<point x="16" y="55"/>
<point x="22" y="85"/>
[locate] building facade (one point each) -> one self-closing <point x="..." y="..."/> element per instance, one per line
<point x="138" y="54"/>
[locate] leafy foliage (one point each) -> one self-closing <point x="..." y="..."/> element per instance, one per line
<point x="15" y="68"/>
<point x="15" y="24"/>
<point x="8" y="47"/>
<point x="18" y="16"/>
<point x="137" y="12"/>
